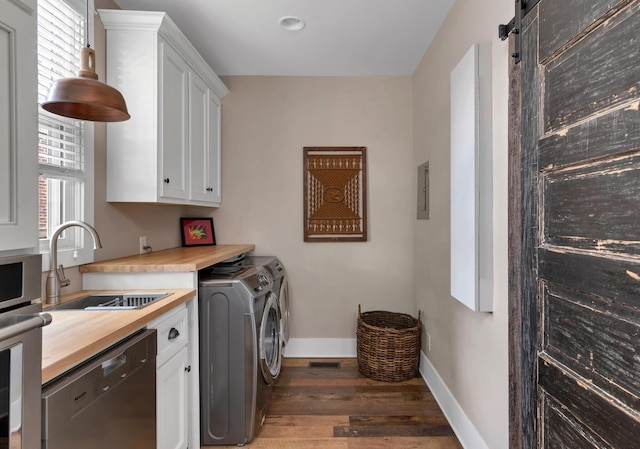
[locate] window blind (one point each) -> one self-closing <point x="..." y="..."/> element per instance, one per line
<point x="60" y="37"/>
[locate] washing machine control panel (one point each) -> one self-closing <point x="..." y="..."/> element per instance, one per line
<point x="264" y="280"/>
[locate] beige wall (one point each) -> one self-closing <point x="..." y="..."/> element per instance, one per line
<point x="468" y="349"/>
<point x="266" y="122"/>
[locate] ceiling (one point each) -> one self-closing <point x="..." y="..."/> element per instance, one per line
<point x="341" y="37"/>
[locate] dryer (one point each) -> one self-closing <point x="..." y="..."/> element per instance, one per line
<point x="240" y="352"/>
<point x="280" y="286"/>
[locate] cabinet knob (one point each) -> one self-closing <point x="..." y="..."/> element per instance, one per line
<point x="209" y="189"/>
<point x="187" y="368"/>
<point x="173" y="333"/>
<point x="167" y="180"/>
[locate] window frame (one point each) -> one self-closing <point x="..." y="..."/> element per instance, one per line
<point x="75" y="247"/>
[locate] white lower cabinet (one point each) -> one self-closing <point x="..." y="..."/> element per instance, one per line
<point x="173" y="378"/>
<point x="172" y="402"/>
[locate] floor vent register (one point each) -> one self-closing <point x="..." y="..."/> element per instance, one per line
<point x="333" y="365"/>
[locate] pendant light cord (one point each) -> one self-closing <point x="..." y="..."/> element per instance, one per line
<point x="86" y="28"/>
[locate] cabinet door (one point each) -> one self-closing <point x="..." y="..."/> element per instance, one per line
<point x="172" y="396"/>
<point x="214" y="179"/>
<point x="174" y="91"/>
<point x="18" y="128"/>
<point x="204" y="144"/>
<point x="198" y="139"/>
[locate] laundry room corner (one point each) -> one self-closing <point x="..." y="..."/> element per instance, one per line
<point x="266" y="123"/>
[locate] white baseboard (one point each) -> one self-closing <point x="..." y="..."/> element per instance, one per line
<point x="321" y="347"/>
<point x="464" y="429"/>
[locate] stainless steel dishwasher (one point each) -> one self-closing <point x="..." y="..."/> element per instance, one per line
<point x="108" y="402"/>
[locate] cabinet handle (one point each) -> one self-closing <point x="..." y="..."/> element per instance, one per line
<point x="187" y="368"/>
<point x="167" y="180"/>
<point x="173" y="333"/>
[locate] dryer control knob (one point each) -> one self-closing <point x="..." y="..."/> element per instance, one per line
<point x="263" y="279"/>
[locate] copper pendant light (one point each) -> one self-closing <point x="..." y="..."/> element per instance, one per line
<point x="84" y="97"/>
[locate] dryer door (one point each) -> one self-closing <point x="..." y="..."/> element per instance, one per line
<point x="283" y="301"/>
<point x="270" y="340"/>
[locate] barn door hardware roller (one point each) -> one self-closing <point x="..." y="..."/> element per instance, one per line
<point x="515" y="25"/>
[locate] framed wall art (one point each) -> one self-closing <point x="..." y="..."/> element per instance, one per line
<point x="197" y="231"/>
<point x="335" y="194"/>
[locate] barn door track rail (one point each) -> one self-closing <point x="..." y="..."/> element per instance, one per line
<point x="522" y="7"/>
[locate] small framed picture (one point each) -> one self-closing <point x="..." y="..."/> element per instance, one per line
<point x="197" y="231"/>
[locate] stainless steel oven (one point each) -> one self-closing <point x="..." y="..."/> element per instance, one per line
<point x="21" y="322"/>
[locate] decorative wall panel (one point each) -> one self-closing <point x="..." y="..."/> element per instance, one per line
<point x="335" y="200"/>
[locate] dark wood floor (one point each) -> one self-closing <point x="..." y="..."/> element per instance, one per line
<point x="329" y="408"/>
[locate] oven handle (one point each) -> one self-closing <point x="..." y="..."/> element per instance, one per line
<point x="33" y="322"/>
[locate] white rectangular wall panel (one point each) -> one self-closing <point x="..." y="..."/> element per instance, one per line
<point x="471" y="180"/>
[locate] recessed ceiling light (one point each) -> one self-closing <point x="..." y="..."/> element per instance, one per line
<point x="291" y="23"/>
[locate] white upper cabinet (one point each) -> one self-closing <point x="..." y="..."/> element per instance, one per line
<point x="18" y="126"/>
<point x="169" y="151"/>
<point x="204" y="141"/>
<point x="173" y="105"/>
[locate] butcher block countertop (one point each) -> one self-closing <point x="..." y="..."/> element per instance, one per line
<point x="192" y="258"/>
<point x="75" y="335"/>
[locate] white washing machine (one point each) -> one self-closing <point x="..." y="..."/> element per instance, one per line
<point x="240" y="352"/>
<point x="280" y="286"/>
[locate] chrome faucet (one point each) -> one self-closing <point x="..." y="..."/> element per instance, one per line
<point x="56" y="279"/>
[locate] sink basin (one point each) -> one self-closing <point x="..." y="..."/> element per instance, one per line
<point x="128" y="301"/>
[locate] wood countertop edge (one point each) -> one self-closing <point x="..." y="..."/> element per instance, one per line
<point x="140" y="268"/>
<point x="73" y="359"/>
<point x="169" y="260"/>
<point x="55" y="365"/>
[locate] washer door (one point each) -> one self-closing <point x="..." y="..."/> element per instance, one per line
<point x="270" y="341"/>
<point x="283" y="301"/>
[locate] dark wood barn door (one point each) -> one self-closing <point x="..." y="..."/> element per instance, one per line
<point x="575" y="235"/>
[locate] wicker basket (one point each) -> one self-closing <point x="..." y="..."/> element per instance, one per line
<point x="388" y="345"/>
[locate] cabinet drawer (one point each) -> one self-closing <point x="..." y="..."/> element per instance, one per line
<point x="172" y="332"/>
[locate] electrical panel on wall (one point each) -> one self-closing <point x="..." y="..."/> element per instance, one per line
<point x="423" y="192"/>
<point x="471" y="180"/>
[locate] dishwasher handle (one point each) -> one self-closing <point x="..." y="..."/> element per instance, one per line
<point x="109" y="366"/>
